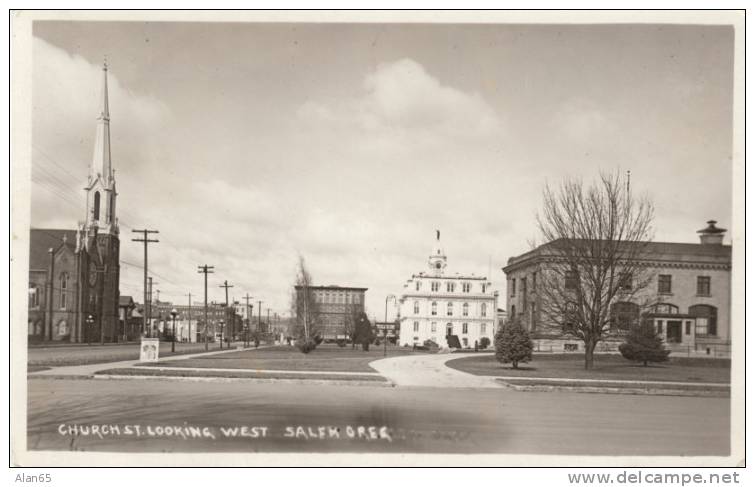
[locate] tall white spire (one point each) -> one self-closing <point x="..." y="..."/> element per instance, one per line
<point x="101" y="166"/>
<point x="101" y="192"/>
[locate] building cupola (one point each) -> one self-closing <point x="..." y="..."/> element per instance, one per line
<point x="712" y="235"/>
<point x="437" y="259"/>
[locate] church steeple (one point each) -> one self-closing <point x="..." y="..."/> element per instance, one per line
<point x="101" y="192"/>
<point x="101" y="165"/>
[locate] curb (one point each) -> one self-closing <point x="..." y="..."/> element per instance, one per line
<point x="266" y="380"/>
<point x="649" y="391"/>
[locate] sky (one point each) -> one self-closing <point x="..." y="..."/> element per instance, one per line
<point x="248" y="144"/>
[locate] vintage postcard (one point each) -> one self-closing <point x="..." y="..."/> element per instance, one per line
<point x="377" y="238"/>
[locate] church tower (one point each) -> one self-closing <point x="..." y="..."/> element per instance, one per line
<point x="98" y="244"/>
<point x="437" y="259"/>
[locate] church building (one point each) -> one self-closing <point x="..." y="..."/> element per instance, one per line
<point x="435" y="304"/>
<point x="74" y="274"/>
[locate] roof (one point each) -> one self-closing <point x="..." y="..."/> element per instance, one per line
<point x="333" y="288"/>
<point x="42" y="239"/>
<point x="654" y="251"/>
<point x="125" y="301"/>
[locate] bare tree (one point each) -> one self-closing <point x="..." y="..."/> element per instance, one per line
<point x="593" y="275"/>
<point x="350" y="326"/>
<point x="304" y="306"/>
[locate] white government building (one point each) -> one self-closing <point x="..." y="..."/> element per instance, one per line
<point x="434" y="304"/>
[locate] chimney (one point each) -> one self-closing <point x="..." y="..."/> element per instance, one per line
<point x="712" y="235"/>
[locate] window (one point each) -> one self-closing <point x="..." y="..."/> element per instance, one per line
<point x="96" y="205"/>
<point x="33" y="296"/>
<point x="625" y="282"/>
<point x="111" y="207"/>
<point x="483" y="309"/>
<point x="434" y="286"/>
<point x="450" y="309"/>
<point x="416" y="307"/>
<point x="450" y="287"/>
<point x="706" y="319"/>
<point x="524" y="286"/>
<point x="63" y="290"/>
<point x="703" y="285"/>
<point x="416" y="326"/>
<point x="466" y="287"/>
<point x="571" y="280"/>
<point x="687" y="326"/>
<point x="534" y="281"/>
<point x="484" y="286"/>
<point x="664" y="284"/>
<point x="665" y="309"/>
<point x="449" y="329"/>
<point x="624" y="315"/>
<point x="433" y="327"/>
<point x="513" y="311"/>
<point x="483" y="328"/>
<point x="464" y="328"/>
<point x="417" y="285"/>
<point x="513" y="286"/>
<point x="434" y="308"/>
<point x="465" y="309"/>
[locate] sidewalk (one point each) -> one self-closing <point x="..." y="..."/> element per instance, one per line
<point x="430" y="371"/>
<point x="89" y="370"/>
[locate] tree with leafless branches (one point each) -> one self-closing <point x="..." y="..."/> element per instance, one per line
<point x="593" y="277"/>
<point x="304" y="305"/>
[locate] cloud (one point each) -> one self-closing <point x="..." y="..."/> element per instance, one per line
<point x="581" y="120"/>
<point x="402" y="98"/>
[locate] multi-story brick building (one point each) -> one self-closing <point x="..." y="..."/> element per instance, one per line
<point x="434" y="305"/>
<point x="336" y="306"/>
<point x="74" y="274"/>
<point x="688" y="297"/>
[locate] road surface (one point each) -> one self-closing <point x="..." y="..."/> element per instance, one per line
<point x="187" y="416"/>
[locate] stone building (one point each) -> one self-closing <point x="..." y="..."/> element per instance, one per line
<point x="74" y="274"/>
<point x="337" y="305"/>
<point x="688" y="297"/>
<point x="435" y="304"/>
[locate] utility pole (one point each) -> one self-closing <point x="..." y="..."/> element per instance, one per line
<point x="267" y="325"/>
<point x="146" y="241"/>
<point x="248" y="319"/>
<point x="189" y="316"/>
<point x="259" y="315"/>
<point x="148" y="306"/>
<point x="205" y="269"/>
<point x="229" y="317"/>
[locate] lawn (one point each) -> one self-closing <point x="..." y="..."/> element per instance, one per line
<point x="77" y="354"/>
<point x="141" y="371"/>
<point x="607" y="367"/>
<point x="326" y="357"/>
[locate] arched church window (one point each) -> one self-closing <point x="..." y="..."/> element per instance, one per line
<point x="111" y="207"/>
<point x="33" y="296"/>
<point x="96" y="205"/>
<point x="63" y="290"/>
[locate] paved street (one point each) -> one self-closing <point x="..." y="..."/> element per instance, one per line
<point x="404" y="419"/>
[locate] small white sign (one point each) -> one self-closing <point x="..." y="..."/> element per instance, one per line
<point x="150" y="350"/>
